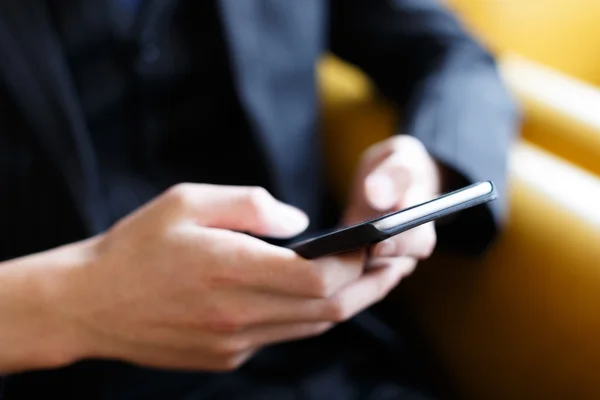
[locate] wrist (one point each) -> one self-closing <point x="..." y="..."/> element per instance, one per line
<point x="36" y="332"/>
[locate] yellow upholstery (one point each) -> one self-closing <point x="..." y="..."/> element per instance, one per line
<point x="557" y="72"/>
<point x="561" y="113"/>
<point x="345" y="92"/>
<point x="524" y="322"/>
<point x="563" y="34"/>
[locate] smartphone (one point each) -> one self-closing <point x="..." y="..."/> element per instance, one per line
<point x="370" y="232"/>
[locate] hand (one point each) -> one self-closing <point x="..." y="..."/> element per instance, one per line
<point x="178" y="285"/>
<point x="395" y="174"/>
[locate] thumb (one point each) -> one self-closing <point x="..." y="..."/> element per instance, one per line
<point x="385" y="186"/>
<point x="247" y="209"/>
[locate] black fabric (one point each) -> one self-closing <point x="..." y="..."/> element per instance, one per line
<point x="158" y="111"/>
<point x="35" y="207"/>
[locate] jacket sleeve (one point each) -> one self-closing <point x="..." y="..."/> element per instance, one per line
<point x="449" y="91"/>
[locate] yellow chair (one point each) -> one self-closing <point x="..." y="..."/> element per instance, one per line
<point x="563" y="34"/>
<point x="550" y="52"/>
<point x="561" y="113"/>
<point x="524" y="321"/>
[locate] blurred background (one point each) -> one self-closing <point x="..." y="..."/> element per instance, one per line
<point x="523" y="322"/>
<point x="558" y="43"/>
<point x="562" y="34"/>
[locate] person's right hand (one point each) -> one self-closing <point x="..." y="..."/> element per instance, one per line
<point x="178" y="285"/>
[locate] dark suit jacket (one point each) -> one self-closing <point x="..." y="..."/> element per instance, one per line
<point x="417" y="54"/>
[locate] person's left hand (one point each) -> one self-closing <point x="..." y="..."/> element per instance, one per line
<point x="394" y="174"/>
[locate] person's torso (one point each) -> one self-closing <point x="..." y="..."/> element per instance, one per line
<point x="155" y="85"/>
<point x="217" y="91"/>
<point x="163" y="91"/>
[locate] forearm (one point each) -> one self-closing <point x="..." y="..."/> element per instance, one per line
<point x="450" y="92"/>
<point x="467" y="120"/>
<point x="33" y="333"/>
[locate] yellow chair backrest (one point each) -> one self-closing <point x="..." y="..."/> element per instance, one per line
<point x="346" y="91"/>
<point x="563" y="34"/>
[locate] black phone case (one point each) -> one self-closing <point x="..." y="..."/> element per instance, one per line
<point x="366" y="234"/>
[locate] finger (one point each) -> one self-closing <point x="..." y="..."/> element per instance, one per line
<point x="338" y="271"/>
<point x="229" y="315"/>
<point x="180" y="358"/>
<point x="358" y="208"/>
<point x="370" y="289"/>
<point x="312" y="279"/>
<point x="238" y="307"/>
<point x="385" y="187"/>
<point x="263" y="335"/>
<point x="233" y="313"/>
<point x="417" y="243"/>
<point x="248" y="209"/>
<point x="263" y="268"/>
<point x="384" y="262"/>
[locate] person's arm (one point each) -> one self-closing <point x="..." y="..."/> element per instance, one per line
<point x="177" y="285"/>
<point x="450" y="92"/>
<point x="33" y="333"/>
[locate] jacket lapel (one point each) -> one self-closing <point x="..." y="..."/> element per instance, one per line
<point x="272" y="63"/>
<point x="36" y="74"/>
<point x="274" y="45"/>
<point x="244" y="31"/>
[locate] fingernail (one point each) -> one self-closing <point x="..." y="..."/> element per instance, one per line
<point x="385" y="249"/>
<point x="381" y="192"/>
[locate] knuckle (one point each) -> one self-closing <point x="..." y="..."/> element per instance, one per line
<point x="180" y="194"/>
<point x="337" y="311"/>
<point x="319" y="285"/>
<point x="403" y="169"/>
<point x="406" y="142"/>
<point x="230" y="348"/>
<point x="370" y="153"/>
<point x="314" y="329"/>
<point x="228" y="364"/>
<point x="384" y="284"/>
<point x="259" y="200"/>
<point x="377" y="150"/>
<point x="401" y="245"/>
<point x="401" y="166"/>
<point x="225" y="278"/>
<point x="258" y="197"/>
<point x="406" y="170"/>
<point x="226" y="323"/>
<point x="234" y="363"/>
<point x="320" y="328"/>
